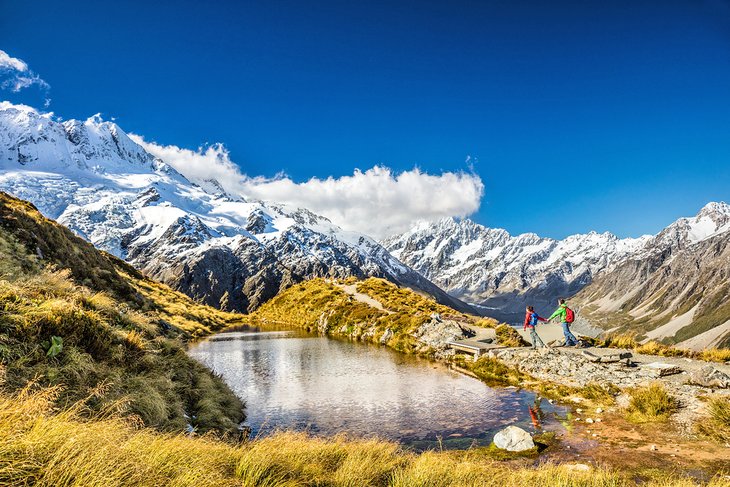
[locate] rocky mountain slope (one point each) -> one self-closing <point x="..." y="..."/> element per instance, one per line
<point x="670" y="287"/>
<point x="675" y="290"/>
<point x="501" y="272"/>
<point x="218" y="248"/>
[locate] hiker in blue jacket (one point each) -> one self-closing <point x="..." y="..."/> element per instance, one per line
<point x="566" y="316"/>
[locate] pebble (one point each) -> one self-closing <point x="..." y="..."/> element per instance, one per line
<point x="598" y="420"/>
<point x="599" y="410"/>
<point x="653" y="448"/>
<point x="589" y="420"/>
<point x="579" y="411"/>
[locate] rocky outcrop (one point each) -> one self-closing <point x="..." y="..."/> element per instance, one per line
<point x="437" y="333"/>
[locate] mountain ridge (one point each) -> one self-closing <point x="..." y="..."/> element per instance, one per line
<point x="220" y="249"/>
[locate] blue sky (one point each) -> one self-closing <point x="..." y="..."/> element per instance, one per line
<point x="578" y="116"/>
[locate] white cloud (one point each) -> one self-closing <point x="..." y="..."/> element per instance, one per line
<point x="15" y="75"/>
<point x="377" y="202"/>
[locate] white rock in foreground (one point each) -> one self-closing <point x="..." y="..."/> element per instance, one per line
<point x="513" y="438"/>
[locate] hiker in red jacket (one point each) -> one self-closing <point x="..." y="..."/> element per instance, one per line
<point x="531" y="320"/>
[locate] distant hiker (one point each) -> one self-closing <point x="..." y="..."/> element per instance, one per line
<point x="567" y="316"/>
<point x="531" y="320"/>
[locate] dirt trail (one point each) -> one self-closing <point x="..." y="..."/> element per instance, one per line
<point x="351" y="289"/>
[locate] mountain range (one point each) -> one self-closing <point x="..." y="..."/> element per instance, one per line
<point x="218" y="248"/>
<point x="670" y="287"/>
<point x="233" y="253"/>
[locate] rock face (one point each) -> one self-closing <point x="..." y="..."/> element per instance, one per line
<point x="218" y="248"/>
<point x="502" y="273"/>
<point x="436" y="333"/>
<point x="513" y="438"/>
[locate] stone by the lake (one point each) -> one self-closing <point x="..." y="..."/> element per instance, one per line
<point x="513" y="438"/>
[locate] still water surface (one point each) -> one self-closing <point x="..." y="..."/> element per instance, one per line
<point x="292" y="380"/>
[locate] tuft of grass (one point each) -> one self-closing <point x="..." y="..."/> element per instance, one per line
<point x="604" y="394"/>
<point x="717" y="424"/>
<point x="629" y="341"/>
<point x="650" y="404"/>
<point x="491" y="371"/>
<point x="508" y="336"/>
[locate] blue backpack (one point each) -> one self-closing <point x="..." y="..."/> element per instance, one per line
<point x="533" y="319"/>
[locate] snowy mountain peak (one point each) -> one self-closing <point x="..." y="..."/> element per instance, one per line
<point x="92" y="177"/>
<point x="477" y="263"/>
<point x="712" y="219"/>
<point x="35" y="140"/>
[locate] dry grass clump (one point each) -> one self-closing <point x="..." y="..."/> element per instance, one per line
<point x="717" y="423"/>
<point x="491" y="371"/>
<point x="508" y="336"/>
<point x="650" y="404"/>
<point x="629" y="341"/>
<point x="44" y="448"/>
<point x="604" y="394"/>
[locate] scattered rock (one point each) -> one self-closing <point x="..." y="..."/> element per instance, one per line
<point x="578" y="467"/>
<point x="513" y="438"/>
<point x="653" y="448"/>
<point x="589" y="420"/>
<point x="386" y="336"/>
<point x="599" y="410"/>
<point x="709" y="376"/>
<point x="659" y="369"/>
<point x="598" y="420"/>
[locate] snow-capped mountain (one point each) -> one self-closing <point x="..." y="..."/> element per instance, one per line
<point x="493" y="269"/>
<point x="675" y="289"/>
<point x="223" y="250"/>
<point x="503" y="273"/>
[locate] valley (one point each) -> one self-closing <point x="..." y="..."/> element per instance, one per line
<point x="340" y="308"/>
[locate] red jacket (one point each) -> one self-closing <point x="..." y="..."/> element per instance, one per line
<point x="527" y="324"/>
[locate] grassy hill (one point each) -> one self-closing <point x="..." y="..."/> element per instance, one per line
<point x="392" y="317"/>
<point x="82" y="320"/>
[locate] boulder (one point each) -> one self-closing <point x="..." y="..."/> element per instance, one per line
<point x="709" y="376"/>
<point x="513" y="438"/>
<point x="659" y="369"/>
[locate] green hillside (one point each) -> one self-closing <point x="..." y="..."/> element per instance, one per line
<point x="84" y="321"/>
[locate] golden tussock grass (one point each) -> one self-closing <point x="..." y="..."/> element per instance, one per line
<point x="717" y="423"/>
<point x="652" y="347"/>
<point x="650" y="404"/>
<point x="44" y="448"/>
